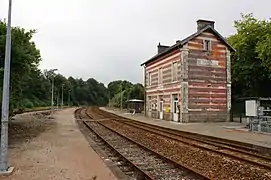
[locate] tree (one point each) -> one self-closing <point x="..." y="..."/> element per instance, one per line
<point x="128" y="91"/>
<point x="251" y="64"/>
<point x="24" y="60"/>
<point x="30" y="87"/>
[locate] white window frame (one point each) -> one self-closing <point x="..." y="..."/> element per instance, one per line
<point x="209" y="48"/>
<point x="174" y="74"/>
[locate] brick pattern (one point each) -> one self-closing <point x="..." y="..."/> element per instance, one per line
<point x="207" y="79"/>
<point x="203" y="83"/>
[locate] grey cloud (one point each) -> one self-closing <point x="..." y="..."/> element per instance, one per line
<point x="108" y="39"/>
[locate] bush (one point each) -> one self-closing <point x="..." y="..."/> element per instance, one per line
<point x="26" y="103"/>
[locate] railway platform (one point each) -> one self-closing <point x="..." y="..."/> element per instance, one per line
<point x="57" y="150"/>
<point x="228" y="130"/>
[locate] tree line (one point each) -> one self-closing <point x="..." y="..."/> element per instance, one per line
<point x="31" y="87"/>
<point x="251" y="63"/>
<point x="123" y="91"/>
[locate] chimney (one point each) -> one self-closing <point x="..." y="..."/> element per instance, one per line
<point x="203" y="23"/>
<point x="161" y="48"/>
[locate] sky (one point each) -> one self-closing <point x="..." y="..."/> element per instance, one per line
<point x="109" y="39"/>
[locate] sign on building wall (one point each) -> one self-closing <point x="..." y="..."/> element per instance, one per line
<point x="167" y="109"/>
<point x="206" y="62"/>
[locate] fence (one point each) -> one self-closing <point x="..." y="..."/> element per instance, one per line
<point x="260" y="125"/>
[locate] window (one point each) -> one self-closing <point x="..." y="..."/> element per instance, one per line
<point x="174" y="71"/>
<point x="207" y="45"/>
<point x="149" y="79"/>
<point x="160" y="76"/>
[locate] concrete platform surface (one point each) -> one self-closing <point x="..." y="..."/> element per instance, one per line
<point x="228" y="130"/>
<point x="61" y="152"/>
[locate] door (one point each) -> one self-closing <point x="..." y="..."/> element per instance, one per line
<point x="175" y="108"/>
<point x="161" y="112"/>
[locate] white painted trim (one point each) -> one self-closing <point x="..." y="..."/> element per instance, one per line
<point x="210" y="44"/>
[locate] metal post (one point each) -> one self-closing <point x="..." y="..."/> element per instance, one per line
<point x="109" y="100"/>
<point x="69" y="98"/>
<point x="52" y="100"/>
<point x="57" y="102"/>
<point x="62" y="97"/>
<point x="5" y="99"/>
<point x="121" y="97"/>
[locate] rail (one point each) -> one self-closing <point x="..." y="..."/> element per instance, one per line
<point x="244" y="153"/>
<point x="177" y="169"/>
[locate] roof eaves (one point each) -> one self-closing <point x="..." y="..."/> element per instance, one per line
<point x="204" y="29"/>
<point x="162" y="53"/>
<point x="184" y="41"/>
<point x="223" y="39"/>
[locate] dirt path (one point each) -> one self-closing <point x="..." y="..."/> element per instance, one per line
<point x="59" y="152"/>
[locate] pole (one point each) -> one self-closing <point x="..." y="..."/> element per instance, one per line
<point x="69" y="98"/>
<point x="62" y="97"/>
<point x="52" y="100"/>
<point x="121" y="97"/>
<point x="5" y="98"/>
<point x="57" y="100"/>
<point x="109" y="100"/>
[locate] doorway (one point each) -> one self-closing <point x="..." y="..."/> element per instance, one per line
<point x="161" y="109"/>
<point x="175" y="110"/>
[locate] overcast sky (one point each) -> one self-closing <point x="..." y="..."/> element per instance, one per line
<point x="108" y="39"/>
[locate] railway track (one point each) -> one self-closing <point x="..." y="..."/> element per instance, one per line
<point x="246" y="148"/>
<point x="147" y="163"/>
<point x="232" y="152"/>
<point x="249" y="158"/>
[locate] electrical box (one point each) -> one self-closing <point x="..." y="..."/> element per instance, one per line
<point x="251" y="108"/>
<point x="258" y="111"/>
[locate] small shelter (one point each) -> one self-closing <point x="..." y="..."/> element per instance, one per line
<point x="135" y="105"/>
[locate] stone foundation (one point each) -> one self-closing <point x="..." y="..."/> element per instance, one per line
<point x="206" y="117"/>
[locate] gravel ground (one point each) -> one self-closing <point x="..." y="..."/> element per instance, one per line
<point x="42" y="148"/>
<point x="211" y="164"/>
<point x="147" y="161"/>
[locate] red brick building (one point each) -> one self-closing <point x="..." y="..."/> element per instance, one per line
<point x="190" y="81"/>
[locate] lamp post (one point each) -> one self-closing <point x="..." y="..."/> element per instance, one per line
<point x="121" y="97"/>
<point x="4" y="169"/>
<point x="52" y="100"/>
<point x="62" y="97"/>
<point x="57" y="100"/>
<point x="109" y="100"/>
<point x="69" y="97"/>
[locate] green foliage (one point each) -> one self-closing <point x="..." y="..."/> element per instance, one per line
<point x="30" y="87"/>
<point x="127" y="90"/>
<point x="251" y="63"/>
<point x="114" y="87"/>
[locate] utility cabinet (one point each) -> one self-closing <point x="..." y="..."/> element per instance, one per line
<point x="251" y="108"/>
<point x="258" y="111"/>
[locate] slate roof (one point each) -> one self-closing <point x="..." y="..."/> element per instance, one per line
<point x="184" y="41"/>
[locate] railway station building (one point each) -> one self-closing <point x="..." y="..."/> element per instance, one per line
<point x="190" y="81"/>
